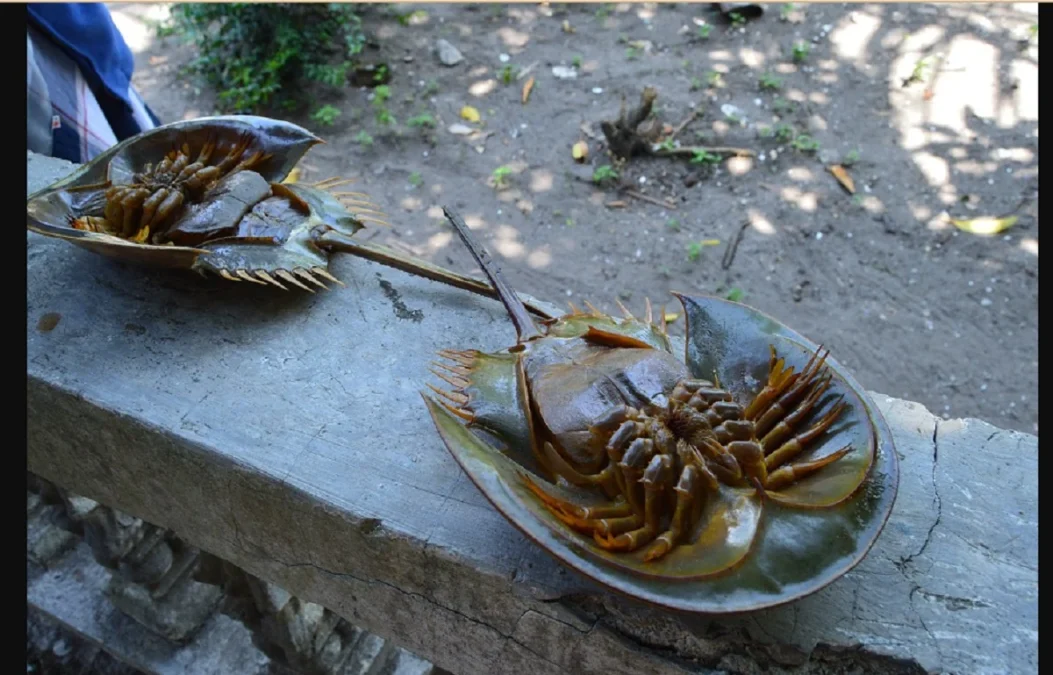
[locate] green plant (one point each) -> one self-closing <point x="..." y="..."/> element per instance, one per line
<point x="507" y="75"/>
<point x="694" y="250"/>
<point x="850" y="158"/>
<point x="576" y="61"/>
<point x="430" y="89"/>
<point x="735" y="294"/>
<point x="804" y="143"/>
<point x="501" y="175"/>
<point x="703" y="31"/>
<point x="917" y="73"/>
<point x="604" y="173"/>
<point x="737" y="19"/>
<point x="423" y="120"/>
<point x="603" y="12"/>
<point x="784" y="132"/>
<point x="326" y="115"/>
<point x="673" y="224"/>
<point x="363" y="138"/>
<point x="714" y="78"/>
<point x="800" y="52"/>
<point x="380" y="96"/>
<point x="703" y="157"/>
<point x="769" y="81"/>
<point x="781" y="106"/>
<point x="632" y="53"/>
<point x="408" y="18"/>
<point x="786" y="11"/>
<point x="255" y="54"/>
<point x="162" y="29"/>
<point x="415" y="179"/>
<point x="696" y="84"/>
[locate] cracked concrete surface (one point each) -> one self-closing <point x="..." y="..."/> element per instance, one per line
<point x="262" y="427"/>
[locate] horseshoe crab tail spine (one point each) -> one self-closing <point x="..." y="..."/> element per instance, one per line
<point x="526" y="329"/>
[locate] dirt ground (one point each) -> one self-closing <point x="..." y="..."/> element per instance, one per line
<point x="915" y="307"/>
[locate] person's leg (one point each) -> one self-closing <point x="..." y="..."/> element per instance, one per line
<point x="79" y="129"/>
<point x="144" y="116"/>
<point x="38" y="106"/>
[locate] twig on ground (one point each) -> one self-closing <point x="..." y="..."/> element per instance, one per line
<point x="692" y="150"/>
<point x="733" y="246"/>
<point x="680" y="127"/>
<point x="651" y="200"/>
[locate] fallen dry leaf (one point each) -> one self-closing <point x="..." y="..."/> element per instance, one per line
<point x="527" y="88"/>
<point x="843" y="178"/>
<point x="710" y="242"/>
<point x="460" y="129"/>
<point x="617" y="204"/>
<point x="580" y="151"/>
<point x="670" y="317"/>
<point x="293" y="177"/>
<point x="469" y="113"/>
<point x="985" y="226"/>
<point x="567" y="28"/>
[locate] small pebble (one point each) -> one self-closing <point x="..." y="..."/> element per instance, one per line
<point x="818" y="235"/>
<point x="597" y="90"/>
<point x="569" y="292"/>
<point x="986" y="302"/>
<point x="504" y="58"/>
<point x="643" y="179"/>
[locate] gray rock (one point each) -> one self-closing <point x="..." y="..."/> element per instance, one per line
<point x="448" y="54"/>
<point x="71" y="593"/>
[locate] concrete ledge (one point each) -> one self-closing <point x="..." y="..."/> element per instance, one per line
<point x="285" y="433"/>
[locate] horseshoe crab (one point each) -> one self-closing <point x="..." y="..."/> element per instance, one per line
<point x="750" y="473"/>
<point x="207" y="195"/>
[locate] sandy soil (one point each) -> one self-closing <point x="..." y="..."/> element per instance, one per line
<point x="913" y="306"/>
